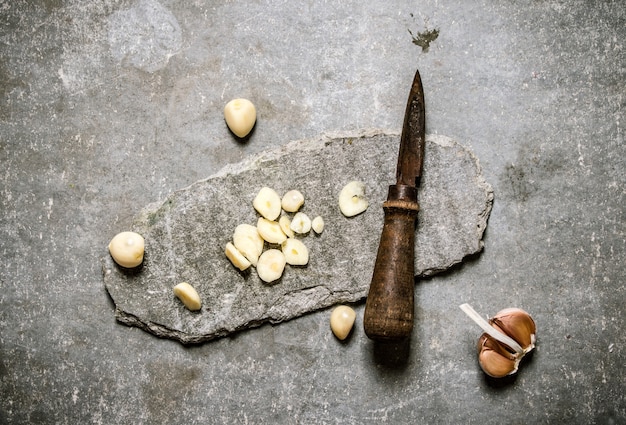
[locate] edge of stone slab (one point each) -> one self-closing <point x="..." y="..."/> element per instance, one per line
<point x="163" y="331"/>
<point x="255" y="160"/>
<point x="297" y="145"/>
<point x="483" y="216"/>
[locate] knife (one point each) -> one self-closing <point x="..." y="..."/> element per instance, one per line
<point x="389" y="306"/>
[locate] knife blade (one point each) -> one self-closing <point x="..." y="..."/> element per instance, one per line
<point x="390" y="301"/>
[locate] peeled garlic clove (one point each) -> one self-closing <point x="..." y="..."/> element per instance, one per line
<point x="317" y="224"/>
<point x="517" y="324"/>
<point x="342" y="321"/>
<point x="271" y="265"/>
<point x="188" y="295"/>
<point x="127" y="249"/>
<point x="270" y="231"/>
<point x="248" y="241"/>
<point x="494" y="360"/>
<point x="240" y="116"/>
<point x="236" y="257"/>
<point x="292" y="201"/>
<point x="352" y="199"/>
<point x="267" y="203"/>
<point x="285" y="224"/>
<point x="296" y="253"/>
<point x="301" y="223"/>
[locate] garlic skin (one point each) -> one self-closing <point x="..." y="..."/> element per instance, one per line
<point x="494" y="359"/>
<point x="517" y="324"/>
<point x="508" y="337"/>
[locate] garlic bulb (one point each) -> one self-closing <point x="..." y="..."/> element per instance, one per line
<point x="508" y="337"/>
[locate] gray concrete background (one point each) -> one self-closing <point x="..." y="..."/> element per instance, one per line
<point x="108" y="106"/>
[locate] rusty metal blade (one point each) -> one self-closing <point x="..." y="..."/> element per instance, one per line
<point x="413" y="139"/>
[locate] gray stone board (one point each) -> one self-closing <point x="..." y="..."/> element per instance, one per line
<point x="186" y="234"/>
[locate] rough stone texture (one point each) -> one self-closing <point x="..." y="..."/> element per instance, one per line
<point x="536" y="89"/>
<point x="185" y="235"/>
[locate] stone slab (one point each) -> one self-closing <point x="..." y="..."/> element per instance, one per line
<point x="186" y="234"/>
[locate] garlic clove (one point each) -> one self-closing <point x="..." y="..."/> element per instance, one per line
<point x="517" y="324"/>
<point x="494" y="360"/>
<point x="240" y="116"/>
<point x="508" y="337"/>
<point x="127" y="249"/>
<point x="342" y="321"/>
<point x="188" y="295"/>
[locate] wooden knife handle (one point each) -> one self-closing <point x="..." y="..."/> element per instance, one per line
<point x="389" y="307"/>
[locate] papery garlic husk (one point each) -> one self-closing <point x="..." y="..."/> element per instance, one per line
<point x="508" y="337"/>
<point x="494" y="358"/>
<point x="517" y="324"/>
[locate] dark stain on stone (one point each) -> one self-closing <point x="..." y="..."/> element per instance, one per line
<point x="167" y="386"/>
<point x="424" y="38"/>
<point x="534" y="170"/>
<point x="8" y="82"/>
<point x="518" y="184"/>
<point x="155" y="217"/>
<point x="52" y="5"/>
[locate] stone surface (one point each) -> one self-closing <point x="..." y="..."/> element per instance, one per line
<point x="186" y="234"/>
<point x="88" y="138"/>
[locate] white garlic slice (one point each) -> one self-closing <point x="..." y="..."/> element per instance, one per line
<point x="285" y="224"/>
<point x="248" y="241"/>
<point x="301" y="223"/>
<point x="292" y="201"/>
<point x="296" y="253"/>
<point x="271" y="265"/>
<point x="270" y="231"/>
<point x="267" y="203"/>
<point x="352" y="200"/>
